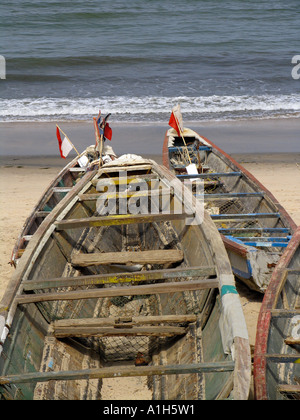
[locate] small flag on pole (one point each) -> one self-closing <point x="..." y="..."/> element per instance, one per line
<point x="176" y="120"/>
<point x="104" y="127"/>
<point x="107" y="132"/>
<point x="65" y="145"/>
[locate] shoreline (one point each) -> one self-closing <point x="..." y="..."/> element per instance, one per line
<point x="259" y="136"/>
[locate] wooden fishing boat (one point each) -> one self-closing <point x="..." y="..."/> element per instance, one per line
<point x="55" y="192"/>
<point x="126" y="277"/>
<point x="277" y="347"/>
<point x="255" y="228"/>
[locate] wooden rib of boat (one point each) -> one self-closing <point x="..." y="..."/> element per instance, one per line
<point x="255" y="228"/>
<point x="55" y="192"/>
<point x="277" y="347"/>
<point x="116" y="283"/>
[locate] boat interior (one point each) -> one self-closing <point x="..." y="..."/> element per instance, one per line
<point x="106" y="292"/>
<point x="242" y="211"/>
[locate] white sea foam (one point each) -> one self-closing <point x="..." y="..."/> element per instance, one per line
<point x="150" y="108"/>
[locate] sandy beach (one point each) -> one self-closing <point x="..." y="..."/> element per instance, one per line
<point x="24" y="178"/>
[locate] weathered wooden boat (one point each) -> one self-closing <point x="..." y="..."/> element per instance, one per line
<point x="55" y="192"/>
<point x="255" y="228"/>
<point x="277" y="347"/>
<point x="120" y="268"/>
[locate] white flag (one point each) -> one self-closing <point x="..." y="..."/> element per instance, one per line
<point x="65" y="146"/>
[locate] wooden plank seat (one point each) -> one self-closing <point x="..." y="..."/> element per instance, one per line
<point x="119" y="326"/>
<point x="291" y="391"/>
<point x="148" y="331"/>
<point x="234" y="230"/>
<point x="209" y="175"/>
<point x="264" y="238"/>
<point x="242" y="216"/>
<point x="119" y="371"/>
<point x="116" y="220"/>
<point x="122" y="321"/>
<point x="125" y="277"/>
<point x="174" y="149"/>
<point x="148" y="289"/>
<point x="123" y="180"/>
<point x="126" y="194"/>
<point x="261" y="242"/>
<point x="160" y="256"/>
<point x="226" y="196"/>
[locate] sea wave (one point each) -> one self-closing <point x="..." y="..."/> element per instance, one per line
<point x="150" y="108"/>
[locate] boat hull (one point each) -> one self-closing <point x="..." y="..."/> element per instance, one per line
<point x="257" y="216"/>
<point x="69" y="321"/>
<point x="277" y="347"/>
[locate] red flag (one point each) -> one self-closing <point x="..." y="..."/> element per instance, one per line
<point x="107" y="132"/>
<point x="173" y="123"/>
<point x="59" y="142"/>
<point x="176" y="120"/>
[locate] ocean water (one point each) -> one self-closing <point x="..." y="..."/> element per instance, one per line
<point x="136" y="59"/>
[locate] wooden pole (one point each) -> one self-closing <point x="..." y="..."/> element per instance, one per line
<point x="99" y="140"/>
<point x="181" y="134"/>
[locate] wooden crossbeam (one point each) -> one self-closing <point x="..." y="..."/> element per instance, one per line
<point x="76" y="169"/>
<point x="253" y="230"/>
<point x="119" y="371"/>
<point x="42" y="213"/>
<point x="61" y="189"/>
<point x="118" y="219"/>
<point x="283" y="358"/>
<point x="226" y="196"/>
<point x="209" y="175"/>
<point x="123" y="180"/>
<point x="289" y="389"/>
<point x="122" y="321"/>
<point x="279" y="244"/>
<point x="242" y="216"/>
<point x="148" y="289"/>
<point x="159" y="256"/>
<point x="264" y="238"/>
<point x="284" y="313"/>
<point x="294" y="271"/>
<point x="126" y="194"/>
<point x="142" y="167"/>
<point x="148" y="331"/>
<point x="291" y="341"/>
<point x="173" y="149"/>
<point x="124" y="277"/>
